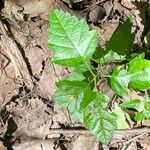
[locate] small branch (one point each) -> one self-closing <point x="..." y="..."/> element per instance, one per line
<point x="90" y="70"/>
<point x="132" y="139"/>
<point x="94" y="76"/>
<point x="117" y="133"/>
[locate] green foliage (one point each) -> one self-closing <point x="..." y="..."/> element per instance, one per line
<point x="72" y="42"/>
<point x="89" y="107"/>
<point x="121" y="120"/>
<point x="135" y="103"/>
<point x="82" y="73"/>
<point x="119" y="47"/>
<point x="102" y="56"/>
<point x="70" y="94"/>
<point x="73" y="45"/>
<point x="96" y="117"/>
<point x="142" y="106"/>
<point x="136" y="76"/>
<point x="122" y="40"/>
<point x="139" y="70"/>
<point x="119" y="81"/>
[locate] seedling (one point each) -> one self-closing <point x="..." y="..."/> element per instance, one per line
<point x="74" y="45"/>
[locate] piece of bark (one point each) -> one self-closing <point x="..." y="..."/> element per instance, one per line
<point x="12" y="51"/>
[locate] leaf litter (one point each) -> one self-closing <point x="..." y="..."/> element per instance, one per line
<point x="20" y="103"/>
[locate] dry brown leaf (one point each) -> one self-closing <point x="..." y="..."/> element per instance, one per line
<point x="84" y="142"/>
<point x="32" y="117"/>
<point x="35" y="145"/>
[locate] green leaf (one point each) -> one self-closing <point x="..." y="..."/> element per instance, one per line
<point x="96" y="117"/>
<point x="142" y="115"/>
<point x="147" y="106"/>
<point x="139" y="116"/>
<point x="82" y="73"/>
<point x="70" y="39"/>
<point x="111" y="56"/>
<point x="121" y="120"/>
<point x="89" y="107"/>
<point x="79" y="73"/>
<point x="119" y="47"/>
<point x="133" y="55"/>
<point x="137" y="76"/>
<point x="99" y="98"/>
<point x="69" y="94"/>
<point x="119" y="81"/>
<point x="102" y="56"/>
<point x="135" y="103"/>
<point x="121" y="41"/>
<point x="139" y="70"/>
<point x="145" y="114"/>
<point x="76" y="76"/>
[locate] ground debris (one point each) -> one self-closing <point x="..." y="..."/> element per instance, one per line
<point x="29" y="120"/>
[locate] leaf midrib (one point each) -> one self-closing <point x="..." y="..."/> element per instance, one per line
<point x="76" y="49"/>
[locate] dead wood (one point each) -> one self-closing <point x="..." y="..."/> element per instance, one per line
<point x="12" y="51"/>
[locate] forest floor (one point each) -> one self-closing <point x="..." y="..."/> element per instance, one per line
<point x="28" y="118"/>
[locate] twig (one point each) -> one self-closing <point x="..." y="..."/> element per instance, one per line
<point x="132" y="139"/>
<point x="116" y="135"/>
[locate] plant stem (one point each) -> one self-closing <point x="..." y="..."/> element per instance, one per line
<point x="94" y="76"/>
<point x="147" y="97"/>
<point x="90" y="69"/>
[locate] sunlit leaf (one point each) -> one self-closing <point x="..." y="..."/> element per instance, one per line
<point x="96" y="117"/>
<point x="70" y="39"/>
<point x="119" y="81"/>
<point x="136" y="76"/>
<point x="139" y="71"/>
<point x="121" y="120"/>
<point x="135" y="103"/>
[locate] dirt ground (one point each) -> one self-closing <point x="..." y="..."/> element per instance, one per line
<point x="28" y="118"/>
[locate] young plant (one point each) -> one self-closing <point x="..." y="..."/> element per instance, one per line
<point x="74" y="45"/>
